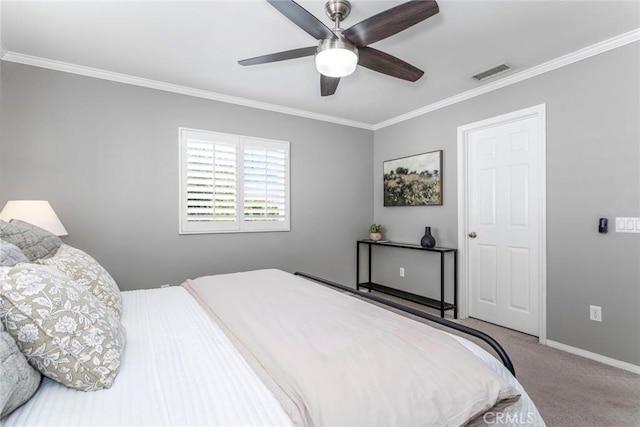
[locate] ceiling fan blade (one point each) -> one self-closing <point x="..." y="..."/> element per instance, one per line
<point x="280" y="56"/>
<point x="303" y="19"/>
<point x="328" y="85"/>
<point x="386" y="64"/>
<point x="390" y="22"/>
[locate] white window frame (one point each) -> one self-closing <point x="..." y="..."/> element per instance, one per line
<point x="239" y="225"/>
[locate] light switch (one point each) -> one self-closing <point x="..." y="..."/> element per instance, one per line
<point x="627" y="225"/>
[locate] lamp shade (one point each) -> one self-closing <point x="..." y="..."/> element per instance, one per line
<point x="36" y="212"/>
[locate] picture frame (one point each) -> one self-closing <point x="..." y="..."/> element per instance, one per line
<point x="413" y="180"/>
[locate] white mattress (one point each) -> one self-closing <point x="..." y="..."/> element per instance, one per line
<point x="179" y="369"/>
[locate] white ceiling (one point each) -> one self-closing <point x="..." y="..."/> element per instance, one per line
<point x="198" y="44"/>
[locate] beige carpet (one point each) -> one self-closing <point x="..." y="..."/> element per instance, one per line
<point x="568" y="390"/>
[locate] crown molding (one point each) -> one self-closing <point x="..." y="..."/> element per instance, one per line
<point x="168" y="87"/>
<point x="554" y="64"/>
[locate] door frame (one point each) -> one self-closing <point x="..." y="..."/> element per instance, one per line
<point x="539" y="112"/>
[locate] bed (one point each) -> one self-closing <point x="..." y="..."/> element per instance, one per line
<point x="191" y="362"/>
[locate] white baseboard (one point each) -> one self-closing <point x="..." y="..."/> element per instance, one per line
<point x="595" y="356"/>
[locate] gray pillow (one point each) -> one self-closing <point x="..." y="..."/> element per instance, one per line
<point x="34" y="242"/>
<point x="10" y="254"/>
<point x="18" y="380"/>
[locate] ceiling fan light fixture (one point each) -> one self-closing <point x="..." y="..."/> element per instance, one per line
<point x="336" y="58"/>
<point x="339" y="51"/>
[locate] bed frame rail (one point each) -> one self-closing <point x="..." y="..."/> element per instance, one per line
<point x="504" y="357"/>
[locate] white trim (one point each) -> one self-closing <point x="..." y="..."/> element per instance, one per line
<point x="595" y="356"/>
<point x="168" y="87"/>
<point x="538" y="111"/>
<point x="595" y="49"/>
<point x="554" y="64"/>
<point x="3" y="49"/>
<point x="463" y="279"/>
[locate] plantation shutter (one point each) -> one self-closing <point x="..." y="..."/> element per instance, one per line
<point x="211" y="182"/>
<point x="231" y="183"/>
<point x="265" y="181"/>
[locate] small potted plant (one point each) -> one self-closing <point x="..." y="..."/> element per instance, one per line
<point x="375" y="231"/>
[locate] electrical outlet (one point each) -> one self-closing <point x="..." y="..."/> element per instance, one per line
<point x="595" y="313"/>
<point x="401" y="271"/>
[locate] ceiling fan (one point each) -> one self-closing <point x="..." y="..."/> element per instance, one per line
<point x="340" y="51"/>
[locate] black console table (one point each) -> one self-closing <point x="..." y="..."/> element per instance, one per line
<point x="430" y="302"/>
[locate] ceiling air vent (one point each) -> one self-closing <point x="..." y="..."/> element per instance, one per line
<point x="491" y="72"/>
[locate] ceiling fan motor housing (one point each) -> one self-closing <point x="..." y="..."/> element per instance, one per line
<point x="337" y="9"/>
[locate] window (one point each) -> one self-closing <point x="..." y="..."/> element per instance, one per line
<point x="231" y="183"/>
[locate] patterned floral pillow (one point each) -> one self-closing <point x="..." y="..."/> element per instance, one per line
<point x="87" y="272"/>
<point x="62" y="329"/>
<point x="18" y="380"/>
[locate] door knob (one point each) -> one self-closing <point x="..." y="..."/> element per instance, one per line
<point x="473" y="235"/>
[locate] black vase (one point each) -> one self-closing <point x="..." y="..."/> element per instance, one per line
<point x="427" y="241"/>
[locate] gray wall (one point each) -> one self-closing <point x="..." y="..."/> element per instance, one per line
<point x="593" y="164"/>
<point x="105" y="155"/>
<point x="83" y="143"/>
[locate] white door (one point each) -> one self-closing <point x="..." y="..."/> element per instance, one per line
<point x="503" y="223"/>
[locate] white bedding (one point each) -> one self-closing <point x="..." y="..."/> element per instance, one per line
<point x="332" y="359"/>
<point x="179" y="369"/>
<point x="522" y="412"/>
